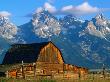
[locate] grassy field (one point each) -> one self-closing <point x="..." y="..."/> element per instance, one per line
<point x="54" y="80"/>
<point x="89" y="78"/>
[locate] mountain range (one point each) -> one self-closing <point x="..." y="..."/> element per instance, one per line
<point x="82" y="42"/>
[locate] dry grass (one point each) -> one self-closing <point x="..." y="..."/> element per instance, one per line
<point x="90" y="78"/>
<point x="54" y="80"/>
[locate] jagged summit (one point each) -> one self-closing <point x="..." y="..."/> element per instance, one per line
<point x="70" y="16"/>
<point x="100" y="20"/>
<point x="45" y="24"/>
<point x="91" y="28"/>
<point x="70" y="19"/>
<point x="7" y="29"/>
<point x="42" y="14"/>
<point x="3" y="20"/>
<point x="100" y="16"/>
<point x="99" y="26"/>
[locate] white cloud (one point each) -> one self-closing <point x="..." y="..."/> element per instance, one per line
<point x="50" y="8"/>
<point x="85" y="7"/>
<point x="47" y="6"/>
<point x="82" y="9"/>
<point x="5" y="13"/>
<point x="67" y="8"/>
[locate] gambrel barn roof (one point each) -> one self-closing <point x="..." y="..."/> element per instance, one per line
<point x="28" y="53"/>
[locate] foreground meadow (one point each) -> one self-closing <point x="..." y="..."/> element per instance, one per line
<point x="55" y="80"/>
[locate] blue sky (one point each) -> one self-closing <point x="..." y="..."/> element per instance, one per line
<point x="20" y="8"/>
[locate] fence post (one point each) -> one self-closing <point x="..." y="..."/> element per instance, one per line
<point x="79" y="74"/>
<point x="22" y="69"/>
<point x="34" y="65"/>
<point x="103" y="70"/>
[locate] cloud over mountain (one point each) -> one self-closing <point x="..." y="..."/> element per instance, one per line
<point x="82" y="9"/>
<point x="4" y="13"/>
<point x="50" y="8"/>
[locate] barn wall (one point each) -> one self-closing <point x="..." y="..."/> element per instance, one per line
<point x="48" y="68"/>
<point x="51" y="54"/>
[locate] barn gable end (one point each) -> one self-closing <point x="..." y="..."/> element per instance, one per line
<point x="51" y="54"/>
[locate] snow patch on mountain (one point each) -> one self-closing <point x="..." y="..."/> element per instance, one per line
<point x="7" y="29"/>
<point x="91" y="28"/>
<point x="98" y="26"/>
<point x="45" y="25"/>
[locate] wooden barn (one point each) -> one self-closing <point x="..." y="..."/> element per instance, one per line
<point x="37" y="59"/>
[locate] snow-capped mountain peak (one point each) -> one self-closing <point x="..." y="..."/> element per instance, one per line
<point x="98" y="26"/>
<point x="3" y="20"/>
<point x="70" y="19"/>
<point x="7" y="29"/>
<point x="91" y="28"/>
<point x="42" y="15"/>
<point x="45" y="24"/>
<point x="100" y="16"/>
